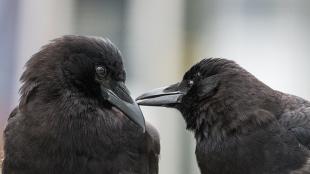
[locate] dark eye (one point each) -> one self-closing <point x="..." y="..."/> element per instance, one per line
<point x="101" y="71"/>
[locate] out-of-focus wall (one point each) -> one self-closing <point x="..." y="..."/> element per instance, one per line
<point x="155" y="42"/>
<point x="8" y="27"/>
<point x="270" y="38"/>
<point x="39" y="22"/>
<point x="160" y="40"/>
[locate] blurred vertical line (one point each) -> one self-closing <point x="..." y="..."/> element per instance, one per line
<point x="155" y="50"/>
<point x="39" y="22"/>
<point x="104" y="18"/>
<point x="259" y="35"/>
<point x="198" y="13"/>
<point x="199" y="23"/>
<point x="8" y="23"/>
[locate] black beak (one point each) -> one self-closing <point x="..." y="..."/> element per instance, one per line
<point x="166" y="96"/>
<point x="118" y="95"/>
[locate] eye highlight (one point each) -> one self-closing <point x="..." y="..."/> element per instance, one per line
<point x="101" y="71"/>
<point x="190" y="83"/>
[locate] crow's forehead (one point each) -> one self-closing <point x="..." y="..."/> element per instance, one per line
<point x="79" y="54"/>
<point x="99" y="50"/>
<point x="191" y="73"/>
<point x="208" y="67"/>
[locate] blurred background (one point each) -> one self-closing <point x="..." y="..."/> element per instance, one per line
<point x="160" y="40"/>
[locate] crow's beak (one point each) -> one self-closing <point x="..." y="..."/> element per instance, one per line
<point x="118" y="95"/>
<point x="167" y="96"/>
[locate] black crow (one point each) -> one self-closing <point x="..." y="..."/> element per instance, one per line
<point x="76" y="116"/>
<point x="241" y="125"/>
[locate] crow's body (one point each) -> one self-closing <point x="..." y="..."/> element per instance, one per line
<point x="241" y="125"/>
<point x="64" y="126"/>
<point x="51" y="147"/>
<point x="272" y="144"/>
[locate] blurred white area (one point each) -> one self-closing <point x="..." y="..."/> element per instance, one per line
<point x="39" y="23"/>
<point x="268" y="38"/>
<point x="160" y="40"/>
<point x="155" y="51"/>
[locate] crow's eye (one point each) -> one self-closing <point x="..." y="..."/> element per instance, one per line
<point x="101" y="71"/>
<point x="190" y="83"/>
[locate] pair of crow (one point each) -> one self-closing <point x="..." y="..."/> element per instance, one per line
<point x="76" y="116"/>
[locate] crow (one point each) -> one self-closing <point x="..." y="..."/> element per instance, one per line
<point x="241" y="125"/>
<point x="76" y="115"/>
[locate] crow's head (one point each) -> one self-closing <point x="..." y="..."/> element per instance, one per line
<point x="88" y="67"/>
<point x="214" y="87"/>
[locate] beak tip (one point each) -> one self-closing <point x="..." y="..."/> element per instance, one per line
<point x="140" y="120"/>
<point x="141" y="125"/>
<point x="139" y="102"/>
<point x="139" y="98"/>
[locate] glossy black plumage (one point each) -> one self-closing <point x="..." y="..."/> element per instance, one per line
<point x="241" y="125"/>
<point x="65" y="125"/>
